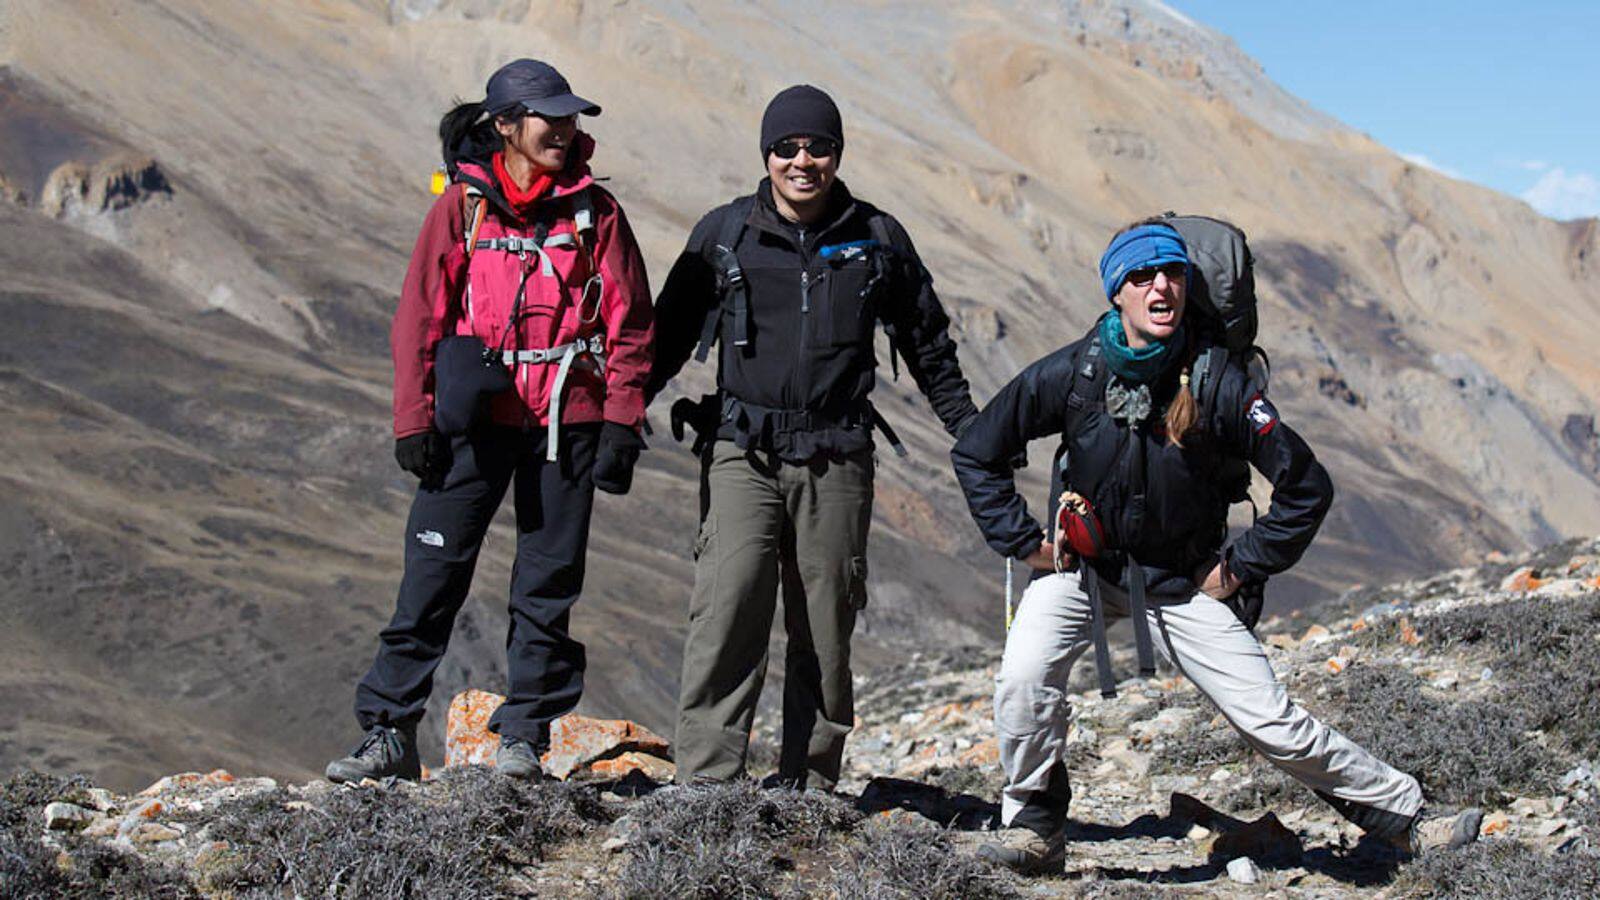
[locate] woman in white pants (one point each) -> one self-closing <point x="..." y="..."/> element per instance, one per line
<point x="1146" y="467"/>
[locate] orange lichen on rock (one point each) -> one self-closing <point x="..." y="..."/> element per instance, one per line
<point x="606" y="747"/>
<point x="945" y="712"/>
<point x="579" y="741"/>
<point x="1408" y="634"/>
<point x="656" y="768"/>
<point x="1336" y="664"/>
<point x="984" y="753"/>
<point x="1522" y="581"/>
<point x="467" y="738"/>
<point x="170" y="782"/>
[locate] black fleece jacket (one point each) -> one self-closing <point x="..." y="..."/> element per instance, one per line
<point x="811" y="330"/>
<point x="1182" y="521"/>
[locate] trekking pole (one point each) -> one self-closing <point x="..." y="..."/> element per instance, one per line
<point x="1008" y="593"/>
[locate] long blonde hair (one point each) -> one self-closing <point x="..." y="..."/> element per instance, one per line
<point x="1184" y="411"/>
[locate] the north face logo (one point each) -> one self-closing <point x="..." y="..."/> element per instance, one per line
<point x="431" y="538"/>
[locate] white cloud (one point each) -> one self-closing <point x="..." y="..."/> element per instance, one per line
<point x="1563" y="195"/>
<point x="1533" y="165"/>
<point x="1418" y="159"/>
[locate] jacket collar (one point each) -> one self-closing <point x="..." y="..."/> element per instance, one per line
<point x="473" y="167"/>
<point x="764" y="214"/>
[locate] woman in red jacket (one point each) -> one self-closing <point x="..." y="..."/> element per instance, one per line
<point x="521" y="346"/>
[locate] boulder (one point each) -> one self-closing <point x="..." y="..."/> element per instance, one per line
<point x="577" y="742"/>
<point x="598" y="748"/>
<point x="66" y="817"/>
<point x="1522" y="581"/>
<point x="467" y="738"/>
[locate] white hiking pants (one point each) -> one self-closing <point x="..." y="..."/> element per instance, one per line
<point x="1214" y="650"/>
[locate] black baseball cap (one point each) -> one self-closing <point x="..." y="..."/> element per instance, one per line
<point x="535" y="86"/>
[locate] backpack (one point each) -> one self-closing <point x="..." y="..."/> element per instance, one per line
<point x="1222" y="303"/>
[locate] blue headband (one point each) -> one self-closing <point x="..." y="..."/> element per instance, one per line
<point x="1140" y="248"/>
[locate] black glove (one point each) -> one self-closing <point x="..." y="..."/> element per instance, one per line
<point x="425" y="455"/>
<point x="613" y="460"/>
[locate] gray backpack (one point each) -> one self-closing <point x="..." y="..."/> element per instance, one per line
<point x="1223" y="306"/>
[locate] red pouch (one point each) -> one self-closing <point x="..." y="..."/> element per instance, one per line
<point x="1077" y="522"/>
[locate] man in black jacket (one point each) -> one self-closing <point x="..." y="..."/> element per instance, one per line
<point x="791" y="282"/>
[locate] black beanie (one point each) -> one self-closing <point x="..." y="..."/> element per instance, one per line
<point x="801" y="109"/>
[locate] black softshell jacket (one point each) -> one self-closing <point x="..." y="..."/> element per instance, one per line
<point x="811" y="331"/>
<point x="1183" y="519"/>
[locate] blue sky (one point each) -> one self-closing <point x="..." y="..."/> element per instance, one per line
<point x="1503" y="94"/>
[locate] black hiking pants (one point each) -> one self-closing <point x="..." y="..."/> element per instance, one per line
<point x="443" y="535"/>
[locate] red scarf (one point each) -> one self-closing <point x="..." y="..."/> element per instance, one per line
<point x="519" y="198"/>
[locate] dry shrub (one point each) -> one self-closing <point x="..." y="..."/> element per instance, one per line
<point x="1542" y="653"/>
<point x="725" y="840"/>
<point x="889" y="862"/>
<point x="83" y="868"/>
<point x="1501" y="868"/>
<point x="458" y="837"/>
<point x="1467" y="752"/>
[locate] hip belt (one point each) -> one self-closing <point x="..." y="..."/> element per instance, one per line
<point x="591" y="349"/>
<point x="764" y="421"/>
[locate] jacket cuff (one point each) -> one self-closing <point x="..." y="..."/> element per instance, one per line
<point x="1024" y="547"/>
<point x="1241" y="570"/>
<point x="624" y="407"/>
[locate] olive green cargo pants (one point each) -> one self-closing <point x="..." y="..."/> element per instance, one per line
<point x="767" y="521"/>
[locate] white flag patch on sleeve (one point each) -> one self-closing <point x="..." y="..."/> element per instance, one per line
<point x="1263" y="418"/>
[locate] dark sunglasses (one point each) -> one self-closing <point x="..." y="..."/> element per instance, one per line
<point x="819" y="148"/>
<point x="1173" y="271"/>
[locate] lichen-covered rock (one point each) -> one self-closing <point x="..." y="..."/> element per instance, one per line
<point x="603" y="748"/>
<point x="578" y="741"/>
<point x="467" y="738"/>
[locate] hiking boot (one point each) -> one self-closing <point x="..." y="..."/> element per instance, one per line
<point x="1428" y="834"/>
<point x="1026" y="851"/>
<point x="517" y="758"/>
<point x="386" y="752"/>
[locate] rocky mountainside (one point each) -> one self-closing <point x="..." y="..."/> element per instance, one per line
<point x="206" y="210"/>
<point x="1481" y="681"/>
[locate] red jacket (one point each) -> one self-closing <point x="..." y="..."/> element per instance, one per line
<point x="435" y="302"/>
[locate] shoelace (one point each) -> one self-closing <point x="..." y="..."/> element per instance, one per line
<point x="384" y="736"/>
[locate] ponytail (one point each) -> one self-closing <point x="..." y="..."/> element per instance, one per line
<point x="456" y="125"/>
<point x="1184" y="411"/>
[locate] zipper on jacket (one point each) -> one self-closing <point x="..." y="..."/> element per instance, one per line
<point x="805" y="291"/>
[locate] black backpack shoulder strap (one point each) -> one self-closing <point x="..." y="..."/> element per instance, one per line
<point x="1089" y="372"/>
<point x="1086" y="387"/>
<point x="878" y="224"/>
<point x="731" y="286"/>
<point x="1207" y="377"/>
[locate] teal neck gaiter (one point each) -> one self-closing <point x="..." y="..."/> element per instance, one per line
<point x="1141" y="366"/>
